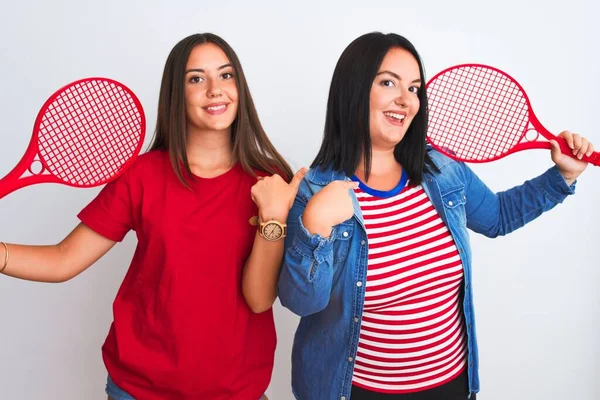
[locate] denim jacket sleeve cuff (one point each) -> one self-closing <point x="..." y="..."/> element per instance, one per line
<point x="554" y="185"/>
<point x="309" y="245"/>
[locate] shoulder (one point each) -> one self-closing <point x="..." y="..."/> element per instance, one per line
<point x="152" y="163"/>
<point x="323" y="175"/>
<point x="450" y="171"/>
<point x="441" y="160"/>
<point x="151" y="160"/>
<point x="317" y="178"/>
<point x="147" y="169"/>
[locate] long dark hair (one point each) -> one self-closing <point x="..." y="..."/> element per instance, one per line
<point x="251" y="146"/>
<point x="347" y="134"/>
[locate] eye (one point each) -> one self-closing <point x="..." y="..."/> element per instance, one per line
<point x="196" y="79"/>
<point x="388" y="83"/>
<point x="227" y="75"/>
<point x="414" y="89"/>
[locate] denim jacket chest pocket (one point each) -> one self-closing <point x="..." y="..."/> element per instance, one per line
<point x="454" y="200"/>
<point x="343" y="235"/>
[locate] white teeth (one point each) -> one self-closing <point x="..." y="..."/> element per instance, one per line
<point x="216" y="108"/>
<point x="399" y="117"/>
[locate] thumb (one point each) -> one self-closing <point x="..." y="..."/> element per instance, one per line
<point x="555" y="150"/>
<point x="297" y="178"/>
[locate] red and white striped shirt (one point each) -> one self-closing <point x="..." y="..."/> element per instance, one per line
<point x="412" y="335"/>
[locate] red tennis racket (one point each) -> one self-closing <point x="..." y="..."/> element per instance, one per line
<point x="478" y="113"/>
<point x="86" y="134"/>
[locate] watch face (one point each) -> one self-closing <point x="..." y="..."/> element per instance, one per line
<point x="272" y="231"/>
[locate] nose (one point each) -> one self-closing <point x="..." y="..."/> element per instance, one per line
<point x="404" y="97"/>
<point x="214" y="90"/>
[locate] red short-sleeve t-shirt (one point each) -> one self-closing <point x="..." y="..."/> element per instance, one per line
<point x="182" y="329"/>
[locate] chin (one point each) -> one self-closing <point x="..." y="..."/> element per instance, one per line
<point x="221" y="124"/>
<point x="220" y="127"/>
<point x="394" y="139"/>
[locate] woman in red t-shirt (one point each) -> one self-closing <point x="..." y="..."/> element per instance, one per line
<point x="192" y="318"/>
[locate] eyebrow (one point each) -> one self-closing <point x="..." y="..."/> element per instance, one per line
<point x="396" y="76"/>
<point x="202" y="71"/>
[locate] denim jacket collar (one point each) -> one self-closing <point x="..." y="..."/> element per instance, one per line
<point x="322" y="176"/>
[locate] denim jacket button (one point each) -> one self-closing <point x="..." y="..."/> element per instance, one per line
<point x="350" y="359"/>
<point x="363" y="242"/>
<point x="343" y="398"/>
<point x="345" y="234"/>
<point x="450" y="203"/>
<point x="359" y="283"/>
<point x="356" y="319"/>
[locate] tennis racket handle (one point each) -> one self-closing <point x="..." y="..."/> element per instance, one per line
<point x="593" y="158"/>
<point x="10" y="183"/>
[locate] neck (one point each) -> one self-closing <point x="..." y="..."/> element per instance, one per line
<point x="385" y="170"/>
<point x="383" y="163"/>
<point x="209" y="151"/>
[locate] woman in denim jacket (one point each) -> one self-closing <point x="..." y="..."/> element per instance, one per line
<point x="377" y="261"/>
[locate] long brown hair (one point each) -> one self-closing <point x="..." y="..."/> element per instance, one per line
<point x="251" y="146"/>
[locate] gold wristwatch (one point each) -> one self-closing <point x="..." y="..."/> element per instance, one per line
<point x="272" y="230"/>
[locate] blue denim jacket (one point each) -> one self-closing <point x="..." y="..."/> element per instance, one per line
<point x="323" y="279"/>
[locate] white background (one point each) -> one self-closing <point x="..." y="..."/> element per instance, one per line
<point x="536" y="291"/>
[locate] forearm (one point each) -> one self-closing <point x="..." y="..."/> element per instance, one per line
<point x="34" y="263"/>
<point x="497" y="214"/>
<point x="56" y="263"/>
<point x="307" y="270"/>
<point x="259" y="281"/>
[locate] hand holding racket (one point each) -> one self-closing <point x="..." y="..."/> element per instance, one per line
<point x="478" y="113"/>
<point x="86" y="134"/>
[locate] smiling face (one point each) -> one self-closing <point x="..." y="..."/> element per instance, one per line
<point x="211" y="95"/>
<point x="393" y="100"/>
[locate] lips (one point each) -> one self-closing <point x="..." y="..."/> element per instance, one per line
<point x="216" y="108"/>
<point x="395" y="117"/>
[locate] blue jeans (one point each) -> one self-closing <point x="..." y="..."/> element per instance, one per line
<point x="116" y="393"/>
